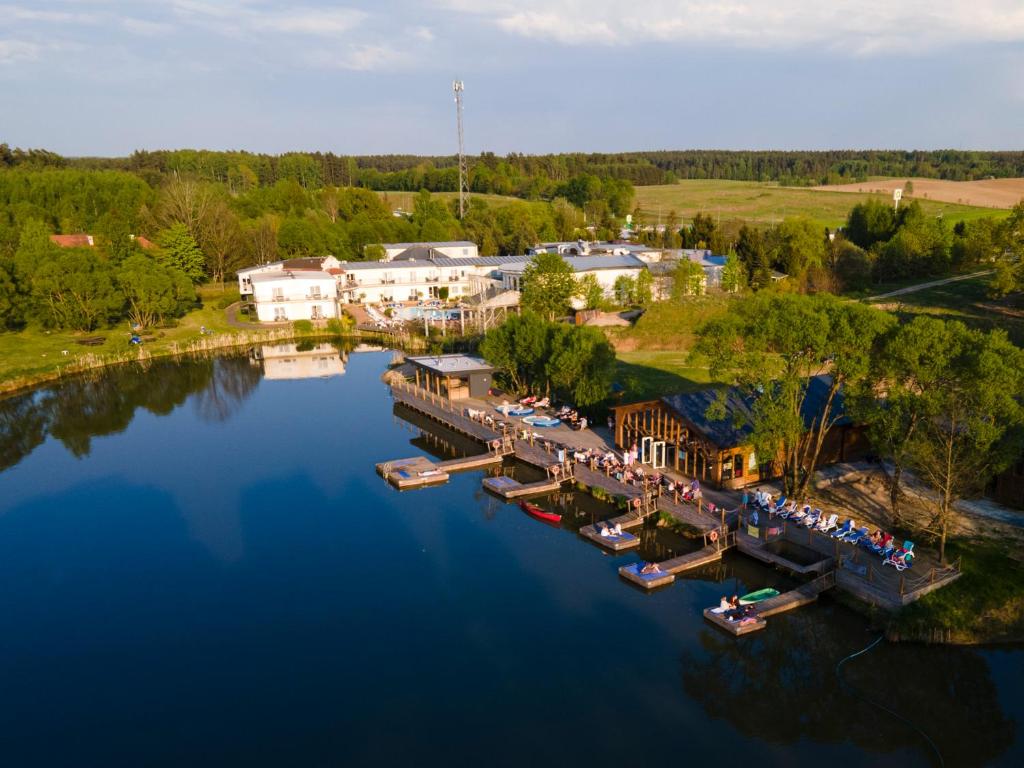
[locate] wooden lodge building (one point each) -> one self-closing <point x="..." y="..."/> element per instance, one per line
<point x="719" y="452"/>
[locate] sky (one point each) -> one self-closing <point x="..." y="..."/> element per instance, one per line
<point x="107" y="77"/>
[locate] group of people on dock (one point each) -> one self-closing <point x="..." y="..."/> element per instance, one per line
<point x="731" y="609"/>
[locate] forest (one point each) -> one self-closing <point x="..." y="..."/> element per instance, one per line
<point x="536" y="177"/>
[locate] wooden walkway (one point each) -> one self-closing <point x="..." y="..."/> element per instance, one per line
<point x="416" y="472"/>
<point x="667" y="569"/>
<point x="441" y="410"/>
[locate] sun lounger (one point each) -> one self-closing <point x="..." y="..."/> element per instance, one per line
<point x="857" y="535"/>
<point x="812" y="519"/>
<point x="843" y="530"/>
<point x="800" y="514"/>
<point x="828" y="524"/>
<point x="636" y="570"/>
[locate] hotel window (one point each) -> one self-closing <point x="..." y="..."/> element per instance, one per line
<point x="738" y="460"/>
<point x="278" y="294"/>
<point x="280" y="313"/>
<point x="314" y="292"/>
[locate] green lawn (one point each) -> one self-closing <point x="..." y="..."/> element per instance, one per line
<point x="965" y="300"/>
<point x="769" y="203"/>
<point x="404" y="200"/>
<point x="35" y="351"/>
<point x="648" y="375"/>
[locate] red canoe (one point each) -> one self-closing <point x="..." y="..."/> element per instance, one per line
<point x="535" y="511"/>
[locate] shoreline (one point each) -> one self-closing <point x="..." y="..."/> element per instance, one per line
<point x="218" y="342"/>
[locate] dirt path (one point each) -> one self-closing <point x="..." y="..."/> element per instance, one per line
<point x="930" y="284"/>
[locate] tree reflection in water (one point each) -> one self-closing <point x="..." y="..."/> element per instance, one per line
<point x="104" y="402"/>
<point x="780" y="685"/>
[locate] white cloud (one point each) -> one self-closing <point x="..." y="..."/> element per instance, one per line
<point x="232" y="17"/>
<point x="12" y="51"/>
<point x="14" y="13"/>
<point x="146" y="28"/>
<point x="854" y="26"/>
<point x="360" y="58"/>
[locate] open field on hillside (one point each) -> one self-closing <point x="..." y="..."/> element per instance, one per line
<point x="769" y="203"/>
<point x="991" y="193"/>
<point x="966" y="301"/>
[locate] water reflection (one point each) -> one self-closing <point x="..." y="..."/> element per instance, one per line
<point x="105" y="402"/>
<point x="302" y="360"/>
<point x="780" y="686"/>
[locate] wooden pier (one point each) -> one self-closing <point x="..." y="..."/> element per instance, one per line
<point x="668" y="569"/>
<point x="509" y="488"/>
<point x="420" y="471"/>
<point x="616" y="543"/>
<point x="416" y="472"/>
<point x="787" y="601"/>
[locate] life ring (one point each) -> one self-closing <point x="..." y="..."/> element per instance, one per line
<point x="636" y="503"/>
<point x="556" y="469"/>
<point x="496" y="444"/>
<point x="713" y="536"/>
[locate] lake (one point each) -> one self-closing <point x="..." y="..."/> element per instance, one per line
<point x="198" y="565"/>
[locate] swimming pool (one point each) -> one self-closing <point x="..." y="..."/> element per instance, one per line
<point x="417" y="313"/>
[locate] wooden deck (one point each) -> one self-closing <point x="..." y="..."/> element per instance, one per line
<point x="509" y="488"/>
<point x="627" y="521"/>
<point x="406" y="474"/>
<point x="669" y="568"/>
<point x="787" y="601"/>
<point x="734" y="627"/>
<point x="762" y="550"/>
<point x="442" y="410"/>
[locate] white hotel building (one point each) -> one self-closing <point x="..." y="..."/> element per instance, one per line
<point x="312" y="289"/>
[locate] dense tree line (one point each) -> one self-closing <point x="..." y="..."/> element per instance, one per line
<point x="539" y="176"/>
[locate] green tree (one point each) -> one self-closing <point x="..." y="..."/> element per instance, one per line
<point x="624" y="289"/>
<point x="870" y="222"/>
<point x="770" y="346"/>
<point x="581" y="364"/>
<point x="688" y="279"/>
<point x="733" y="274"/>
<point x="76" y="290"/>
<point x="971" y="421"/>
<point x="519" y="347"/>
<point x="178" y="249"/>
<point x="591" y="291"/>
<point x="644" y="288"/>
<point x="9" y="299"/>
<point x="548" y="286"/>
<point x="153" y="291"/>
<point x="797" y="245"/>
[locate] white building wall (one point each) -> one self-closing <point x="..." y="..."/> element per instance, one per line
<point x="295" y="298"/>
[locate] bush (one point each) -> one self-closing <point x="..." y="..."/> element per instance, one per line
<point x="303" y="326"/>
<point x="334" y="326"/>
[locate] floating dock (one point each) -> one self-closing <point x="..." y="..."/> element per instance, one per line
<point x="787" y="601"/>
<point x="734" y="627"/>
<point x="668" y="569"/>
<point x="416" y="472"/>
<point x="616" y="543"/>
<point x="509" y="488"/>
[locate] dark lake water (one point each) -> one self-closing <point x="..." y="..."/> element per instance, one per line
<point x="198" y="565"/>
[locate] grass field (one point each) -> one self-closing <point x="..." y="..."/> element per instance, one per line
<point x="770" y="203"/>
<point x="993" y="193"/>
<point x="966" y="301"/>
<point x="35" y="351"/>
